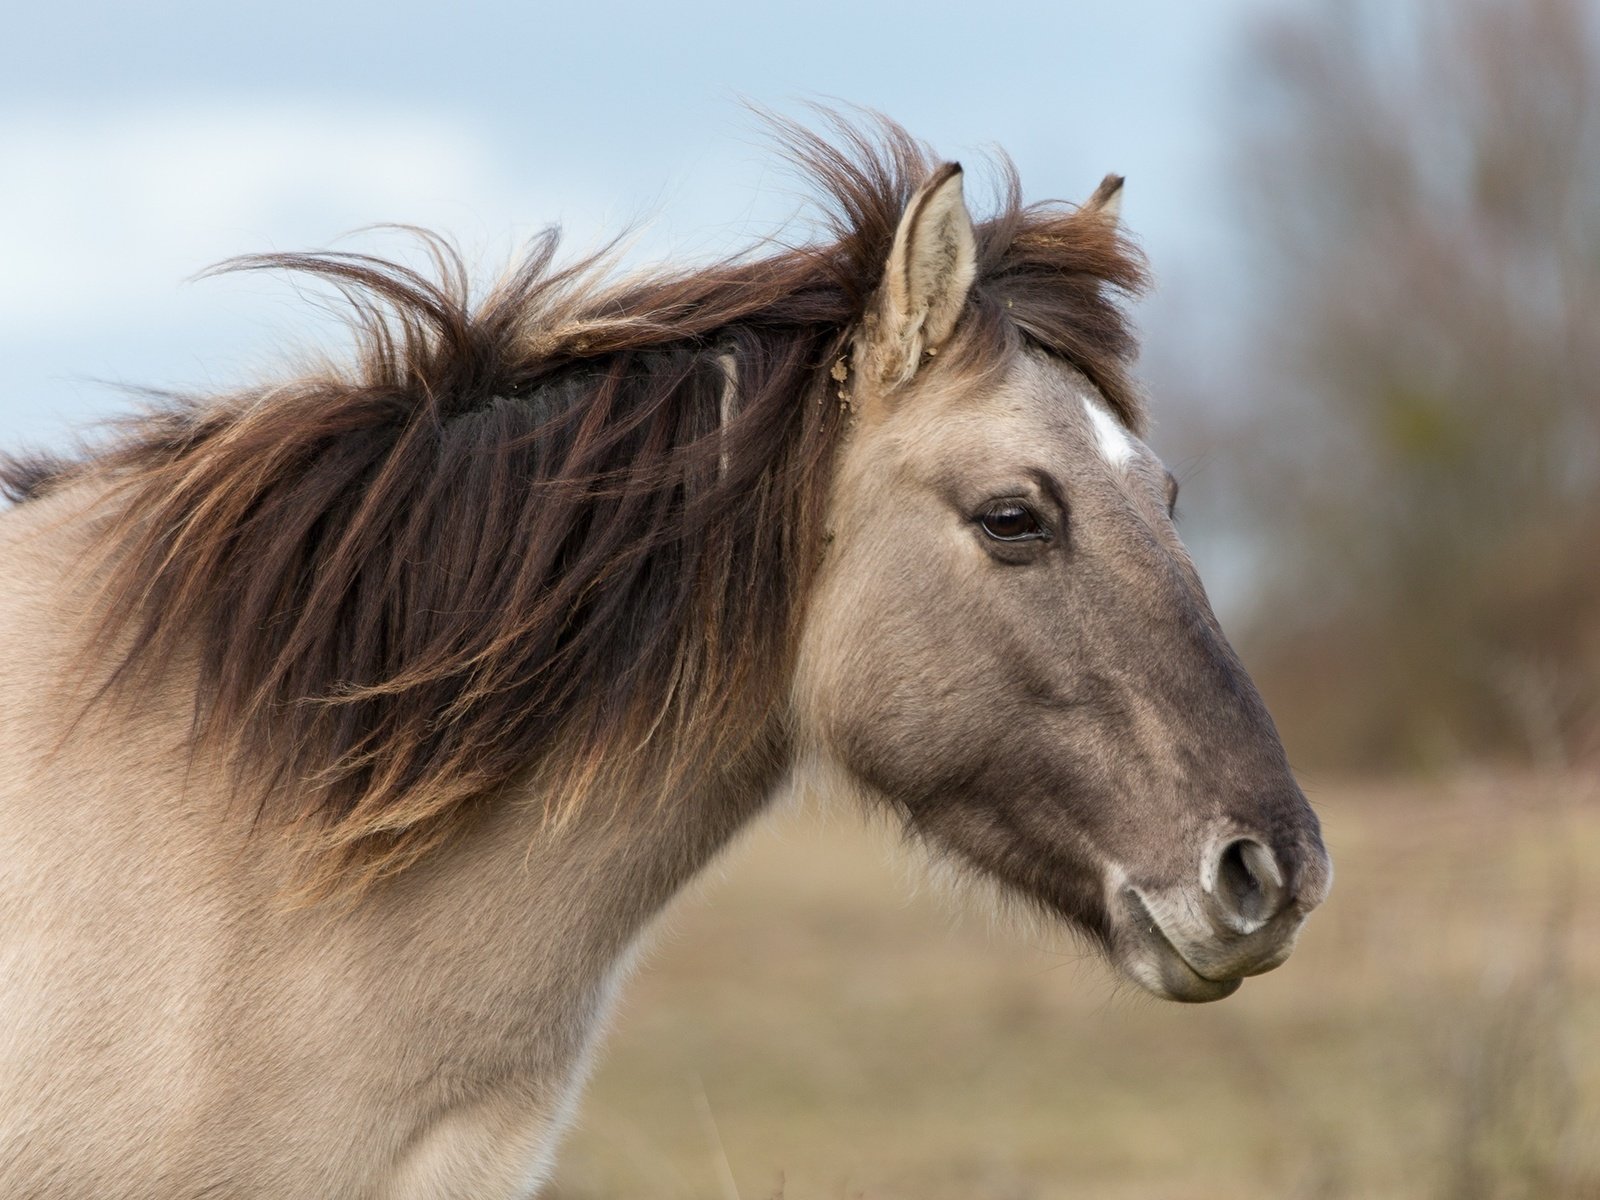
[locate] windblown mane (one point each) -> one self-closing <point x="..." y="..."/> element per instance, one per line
<point x="568" y="527"/>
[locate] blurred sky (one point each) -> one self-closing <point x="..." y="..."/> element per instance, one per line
<point x="140" y="143"/>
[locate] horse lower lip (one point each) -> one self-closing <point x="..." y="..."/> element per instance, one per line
<point x="1154" y="935"/>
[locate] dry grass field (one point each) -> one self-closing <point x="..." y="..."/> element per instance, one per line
<point x="820" y="1021"/>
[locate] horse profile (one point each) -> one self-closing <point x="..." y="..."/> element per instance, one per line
<point x="354" y="727"/>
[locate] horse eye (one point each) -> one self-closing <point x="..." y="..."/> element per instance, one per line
<point x="1172" y="494"/>
<point x="1010" y="521"/>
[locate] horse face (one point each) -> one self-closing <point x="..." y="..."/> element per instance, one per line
<point x="1009" y="644"/>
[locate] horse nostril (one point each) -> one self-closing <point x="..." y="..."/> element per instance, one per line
<point x="1249" y="885"/>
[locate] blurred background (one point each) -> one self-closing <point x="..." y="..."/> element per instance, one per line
<point x="1374" y="359"/>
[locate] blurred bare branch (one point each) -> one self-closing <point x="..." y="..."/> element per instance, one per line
<point x="1423" y="181"/>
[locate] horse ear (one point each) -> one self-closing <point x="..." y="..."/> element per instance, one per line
<point x="1106" y="202"/>
<point x="926" y="280"/>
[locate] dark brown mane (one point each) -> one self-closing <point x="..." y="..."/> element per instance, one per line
<point x="516" y="534"/>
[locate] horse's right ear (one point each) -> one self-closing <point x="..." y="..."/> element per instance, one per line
<point x="925" y="282"/>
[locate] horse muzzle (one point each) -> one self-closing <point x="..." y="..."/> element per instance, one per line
<point x="1239" y="917"/>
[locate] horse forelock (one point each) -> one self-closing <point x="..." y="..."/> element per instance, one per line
<point x="567" y="528"/>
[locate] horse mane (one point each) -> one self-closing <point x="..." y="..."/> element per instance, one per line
<point x="566" y="527"/>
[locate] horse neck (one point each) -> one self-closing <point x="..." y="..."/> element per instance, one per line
<point x="538" y="920"/>
<point x="604" y="873"/>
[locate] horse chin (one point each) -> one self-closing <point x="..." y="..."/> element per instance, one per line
<point x="1143" y="954"/>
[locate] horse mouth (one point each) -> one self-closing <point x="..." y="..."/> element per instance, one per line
<point x="1146" y="955"/>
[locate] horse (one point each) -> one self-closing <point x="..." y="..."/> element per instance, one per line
<point x="356" y="726"/>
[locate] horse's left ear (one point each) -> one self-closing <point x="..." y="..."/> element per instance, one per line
<point x="1106" y="203"/>
<point x="926" y="280"/>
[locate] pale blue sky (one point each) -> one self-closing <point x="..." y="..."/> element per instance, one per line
<point x="141" y="142"/>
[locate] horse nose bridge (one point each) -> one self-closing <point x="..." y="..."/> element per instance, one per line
<point x="1200" y="684"/>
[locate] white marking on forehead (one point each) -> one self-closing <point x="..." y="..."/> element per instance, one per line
<point x="1115" y="443"/>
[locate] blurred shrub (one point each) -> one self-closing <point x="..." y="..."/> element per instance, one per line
<point x="1422" y="181"/>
